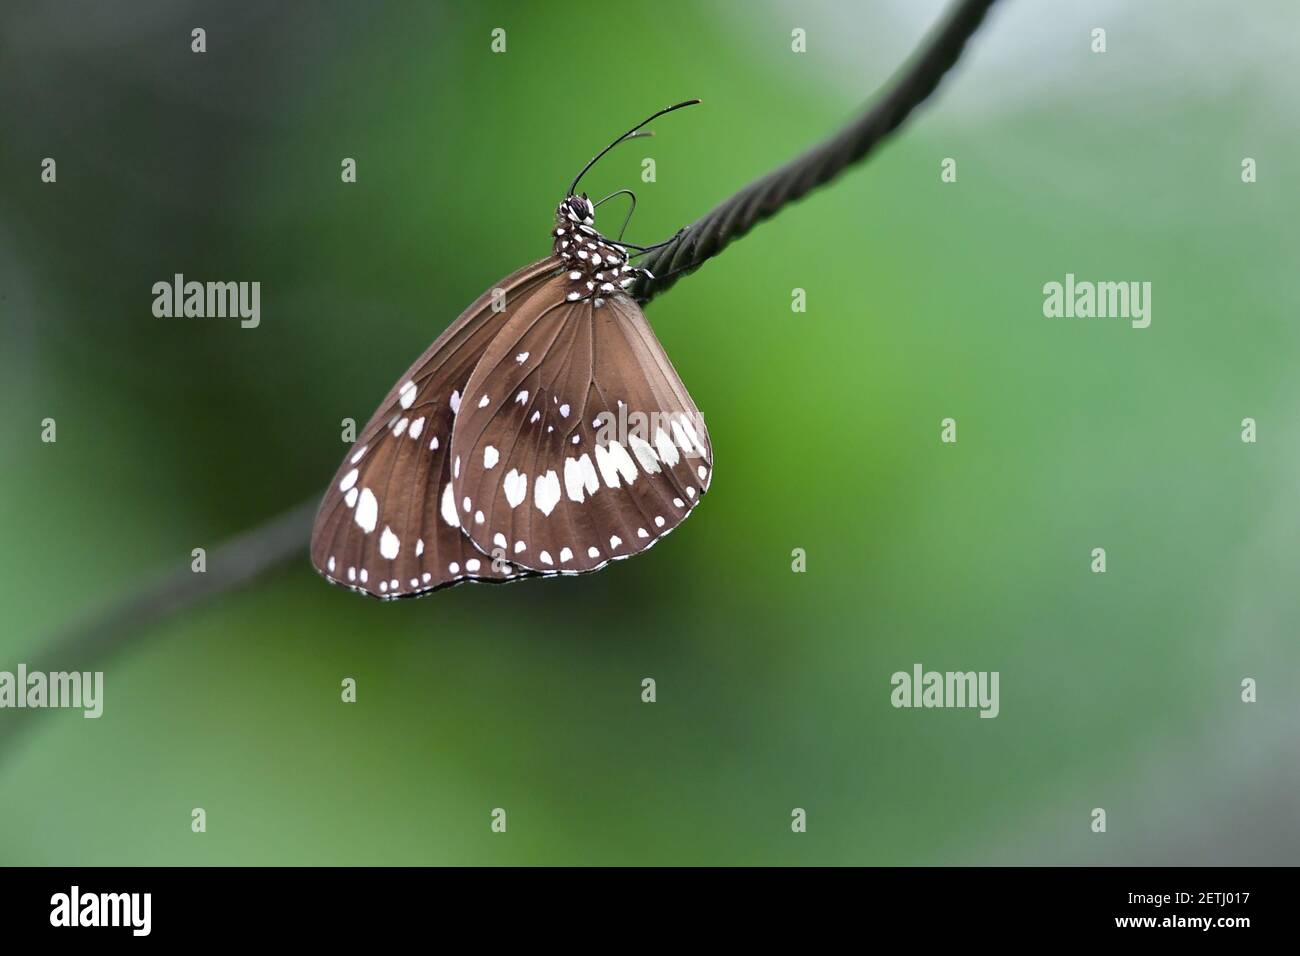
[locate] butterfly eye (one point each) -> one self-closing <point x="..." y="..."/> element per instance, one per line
<point x="578" y="209"/>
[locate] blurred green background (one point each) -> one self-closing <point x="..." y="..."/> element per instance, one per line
<point x="924" y="301"/>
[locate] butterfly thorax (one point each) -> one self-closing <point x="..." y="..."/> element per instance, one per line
<point x="596" y="267"/>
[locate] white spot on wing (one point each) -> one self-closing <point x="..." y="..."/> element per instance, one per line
<point x="389" y="544"/>
<point x="546" y="492"/>
<point x="490" y="457"/>
<point x="349" y="480"/>
<point x="367" y="511"/>
<point x="644" y="454"/>
<point x="668" y="452"/>
<point x="449" y="507"/>
<point x="407" y="395"/>
<point x="589" y="474"/>
<point x="622" y="461"/>
<point x="605" y="461"/>
<point x="693" y="435"/>
<point x="515" y="487"/>
<point x="679" y="434"/>
<point x="573" y="480"/>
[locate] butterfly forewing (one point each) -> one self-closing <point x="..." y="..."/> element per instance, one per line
<point x="389" y="525"/>
<point x="576" y="439"/>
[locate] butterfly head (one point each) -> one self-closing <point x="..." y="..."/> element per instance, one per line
<point x="595" y="266"/>
<point x="576" y="210"/>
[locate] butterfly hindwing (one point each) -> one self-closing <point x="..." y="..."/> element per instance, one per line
<point x="576" y="439"/>
<point x="388" y="525"/>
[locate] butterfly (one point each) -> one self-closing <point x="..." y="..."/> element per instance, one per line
<point x="545" y="432"/>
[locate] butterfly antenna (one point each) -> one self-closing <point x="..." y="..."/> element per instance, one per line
<point x="620" y="192"/>
<point x="629" y="134"/>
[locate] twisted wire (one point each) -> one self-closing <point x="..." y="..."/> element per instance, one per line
<point x="765" y="197"/>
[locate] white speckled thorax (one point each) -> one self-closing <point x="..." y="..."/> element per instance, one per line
<point x="597" y="267"/>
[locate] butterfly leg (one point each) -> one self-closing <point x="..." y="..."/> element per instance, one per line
<point x="642" y="250"/>
<point x="646" y="273"/>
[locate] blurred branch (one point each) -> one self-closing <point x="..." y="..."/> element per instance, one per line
<point x="284" y="538"/>
<point x="765" y="197"/>
<point x="238" y="561"/>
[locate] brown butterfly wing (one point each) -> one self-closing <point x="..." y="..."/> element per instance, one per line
<point x="576" y="439"/>
<point x="389" y="525"/>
